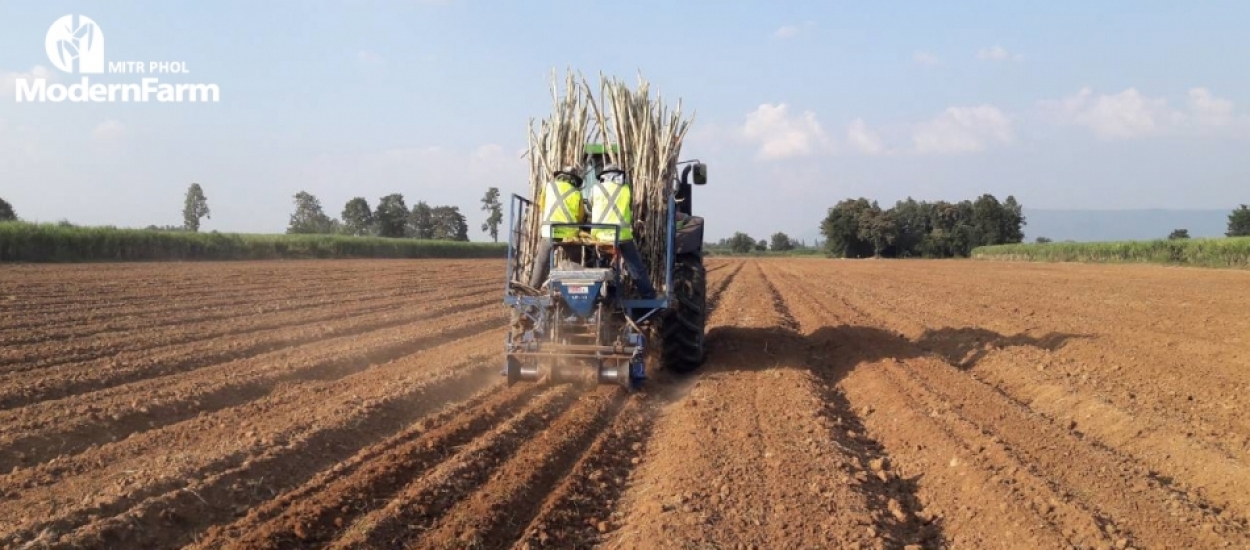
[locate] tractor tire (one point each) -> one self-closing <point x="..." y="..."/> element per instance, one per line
<point x="682" y="329"/>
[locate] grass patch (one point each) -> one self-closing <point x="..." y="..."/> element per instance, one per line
<point x="1231" y="252"/>
<point x="28" y="242"/>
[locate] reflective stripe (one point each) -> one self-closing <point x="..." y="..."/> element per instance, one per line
<point x="566" y="195"/>
<point x="610" y="207"/>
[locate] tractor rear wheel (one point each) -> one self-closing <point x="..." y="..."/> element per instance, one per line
<point x="683" y="326"/>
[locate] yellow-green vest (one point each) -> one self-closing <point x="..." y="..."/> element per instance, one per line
<point x="611" y="202"/>
<point x="561" y="202"/>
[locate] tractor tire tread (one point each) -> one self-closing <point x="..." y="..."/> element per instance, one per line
<point x="682" y="329"/>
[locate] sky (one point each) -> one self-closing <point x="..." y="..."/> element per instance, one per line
<point x="796" y="105"/>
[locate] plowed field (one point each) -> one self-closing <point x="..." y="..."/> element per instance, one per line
<point x="875" y="404"/>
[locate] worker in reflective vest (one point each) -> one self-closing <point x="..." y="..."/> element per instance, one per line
<point x="611" y="202"/>
<point x="559" y="202"/>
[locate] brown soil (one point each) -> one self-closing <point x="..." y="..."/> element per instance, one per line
<point x="887" y="404"/>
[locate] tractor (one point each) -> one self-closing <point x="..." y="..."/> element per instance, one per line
<point x="585" y="325"/>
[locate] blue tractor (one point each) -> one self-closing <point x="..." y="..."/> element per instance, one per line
<point x="585" y="324"/>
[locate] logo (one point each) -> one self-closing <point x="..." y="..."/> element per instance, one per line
<point x="68" y="44"/>
<point x="75" y="45"/>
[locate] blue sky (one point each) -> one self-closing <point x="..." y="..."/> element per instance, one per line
<point x="798" y="104"/>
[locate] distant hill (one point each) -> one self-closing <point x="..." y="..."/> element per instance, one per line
<point x="1122" y="225"/>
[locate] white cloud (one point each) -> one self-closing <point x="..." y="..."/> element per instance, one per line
<point x="109" y="130"/>
<point x="963" y="130"/>
<point x="367" y="57"/>
<point x="791" y="31"/>
<point x="1131" y="114"/>
<point x="1208" y="110"/>
<point x="926" y="59"/>
<point x="8" y="81"/>
<point x="780" y="135"/>
<point x="998" y="53"/>
<point x="1125" y="115"/>
<point x="863" y="139"/>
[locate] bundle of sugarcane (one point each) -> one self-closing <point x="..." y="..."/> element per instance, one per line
<point x="649" y="138"/>
<point x="557" y="141"/>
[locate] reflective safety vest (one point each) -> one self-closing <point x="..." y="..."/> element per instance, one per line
<point x="561" y="202"/>
<point x="611" y="202"/>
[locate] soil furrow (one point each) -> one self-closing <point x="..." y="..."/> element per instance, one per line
<point x="496" y="514"/>
<point x="110" y="415"/>
<point x="1104" y="480"/>
<point x="582" y="510"/>
<point x="37" y="359"/>
<point x="369" y="405"/>
<point x="338" y="496"/>
<point x="417" y="508"/>
<point x="51" y="383"/>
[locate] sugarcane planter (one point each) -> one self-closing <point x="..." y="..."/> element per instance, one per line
<point x="586" y="322"/>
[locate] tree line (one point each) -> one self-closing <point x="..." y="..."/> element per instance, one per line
<point x="391" y="218"/>
<point x="742" y="243"/>
<point x="859" y="228"/>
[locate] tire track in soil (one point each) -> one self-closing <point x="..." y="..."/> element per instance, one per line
<point x="898" y="514"/>
<point x="743" y="457"/>
<point x="285" y="436"/>
<point x="128" y="366"/>
<point x="206" y="391"/>
<point x="1124" y="501"/>
<point x="338" y="496"/>
<point x="418" y="507"/>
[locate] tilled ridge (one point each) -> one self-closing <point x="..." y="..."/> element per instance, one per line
<point x="746" y="457"/>
<point x="496" y="515"/>
<point x="336" y="497"/>
<point x="102" y="417"/>
<point x="116" y="363"/>
<point x="582" y="510"/>
<point x="68" y="493"/>
<point x="1108" y="490"/>
<point x="418" y="507"/>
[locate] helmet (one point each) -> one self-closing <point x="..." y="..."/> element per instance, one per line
<point x="573" y="173"/>
<point x="610" y="168"/>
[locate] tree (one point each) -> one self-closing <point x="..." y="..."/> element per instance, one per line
<point x="421" y="221"/>
<point x="309" y="218"/>
<point x="357" y="217"/>
<point x="841" y="229"/>
<point x="1239" y="222"/>
<point x="1178" y="234"/>
<point x="6" y="212"/>
<point x="761" y="246"/>
<point x="1012" y="223"/>
<point x="781" y="242"/>
<point x="741" y="243"/>
<point x="878" y="228"/>
<point x="195" y="207"/>
<point x="490" y="204"/>
<point x="449" y="224"/>
<point x="1043" y="240"/>
<point x="391" y="216"/>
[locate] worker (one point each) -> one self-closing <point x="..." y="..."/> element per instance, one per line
<point x="560" y="202"/>
<point x="611" y="202"/>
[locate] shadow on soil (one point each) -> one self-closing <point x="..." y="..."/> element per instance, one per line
<point x="831" y="353"/>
